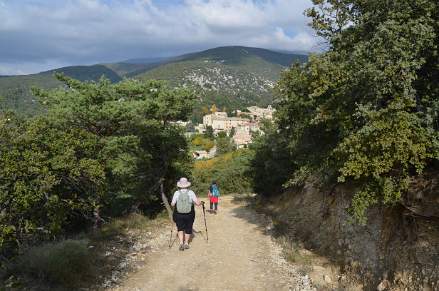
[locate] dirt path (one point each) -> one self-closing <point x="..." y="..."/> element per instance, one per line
<point x="238" y="256"/>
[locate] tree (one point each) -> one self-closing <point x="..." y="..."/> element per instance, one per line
<point x="100" y="147"/>
<point x="271" y="155"/>
<point x="224" y="144"/>
<point x="245" y="115"/>
<point x="209" y="132"/>
<point x="366" y="110"/>
<point x="51" y="178"/>
<point x="213" y="109"/>
<point x="205" y="110"/>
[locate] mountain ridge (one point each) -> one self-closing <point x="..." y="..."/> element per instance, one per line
<point x="229" y="76"/>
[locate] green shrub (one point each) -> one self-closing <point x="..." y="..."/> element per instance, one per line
<point x="228" y="170"/>
<point x="224" y="144"/>
<point x="200" y="142"/>
<point x="272" y="162"/>
<point x="66" y="263"/>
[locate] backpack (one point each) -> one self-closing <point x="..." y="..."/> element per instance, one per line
<point x="215" y="191"/>
<point x="184" y="202"/>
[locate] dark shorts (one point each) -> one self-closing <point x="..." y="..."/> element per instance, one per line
<point x="184" y="222"/>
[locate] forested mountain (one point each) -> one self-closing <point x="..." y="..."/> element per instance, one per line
<point x="16" y="94"/>
<point x="231" y="77"/>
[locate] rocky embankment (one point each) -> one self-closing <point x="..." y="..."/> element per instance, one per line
<point x="398" y="249"/>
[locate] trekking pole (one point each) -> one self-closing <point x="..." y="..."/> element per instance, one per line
<point x="205" y="224"/>
<point x="168" y="209"/>
<point x="170" y="238"/>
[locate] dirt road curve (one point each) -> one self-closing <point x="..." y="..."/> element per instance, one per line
<point x="238" y="256"/>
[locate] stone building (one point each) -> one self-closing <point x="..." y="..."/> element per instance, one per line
<point x="219" y="121"/>
<point x="242" y="137"/>
<point x="243" y="127"/>
<point x="258" y="113"/>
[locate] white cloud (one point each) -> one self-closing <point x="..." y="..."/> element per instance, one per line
<point x="54" y="32"/>
<point x="301" y="39"/>
<point x="227" y="14"/>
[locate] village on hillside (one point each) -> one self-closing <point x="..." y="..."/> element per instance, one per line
<point x="239" y="127"/>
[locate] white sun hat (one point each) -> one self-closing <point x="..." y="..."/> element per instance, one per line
<point x="183" y="183"/>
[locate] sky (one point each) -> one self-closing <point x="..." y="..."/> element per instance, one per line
<point x="38" y="35"/>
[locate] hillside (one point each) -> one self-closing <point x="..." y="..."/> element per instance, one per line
<point x="87" y="73"/>
<point x="15" y="91"/>
<point x="129" y="68"/>
<point x="231" y="77"/>
<point x="235" y="55"/>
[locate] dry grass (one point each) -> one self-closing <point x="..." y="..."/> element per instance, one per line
<point x="76" y="263"/>
<point x="297" y="255"/>
<point x="67" y="263"/>
<point x="209" y="164"/>
<point x="121" y="226"/>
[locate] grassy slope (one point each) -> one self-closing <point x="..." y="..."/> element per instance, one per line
<point x="128" y="69"/>
<point x="16" y="90"/>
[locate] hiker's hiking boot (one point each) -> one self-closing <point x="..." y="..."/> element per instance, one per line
<point x="186" y="246"/>
<point x="181" y="248"/>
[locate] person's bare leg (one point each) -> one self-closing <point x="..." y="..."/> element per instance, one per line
<point x="181" y="237"/>
<point x="186" y="239"/>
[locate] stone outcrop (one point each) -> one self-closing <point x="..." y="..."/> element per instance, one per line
<point x="398" y="249"/>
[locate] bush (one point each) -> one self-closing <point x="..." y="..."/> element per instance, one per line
<point x="224" y="144"/>
<point x="201" y="142"/>
<point x="228" y="170"/>
<point x="272" y="163"/>
<point x="66" y="263"/>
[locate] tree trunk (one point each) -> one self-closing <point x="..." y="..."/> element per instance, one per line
<point x="165" y="201"/>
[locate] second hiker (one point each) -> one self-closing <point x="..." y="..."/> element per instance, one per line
<point x="184" y="213"/>
<point x="214" y="197"/>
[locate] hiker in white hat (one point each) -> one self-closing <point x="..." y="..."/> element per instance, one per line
<point x="184" y="213"/>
